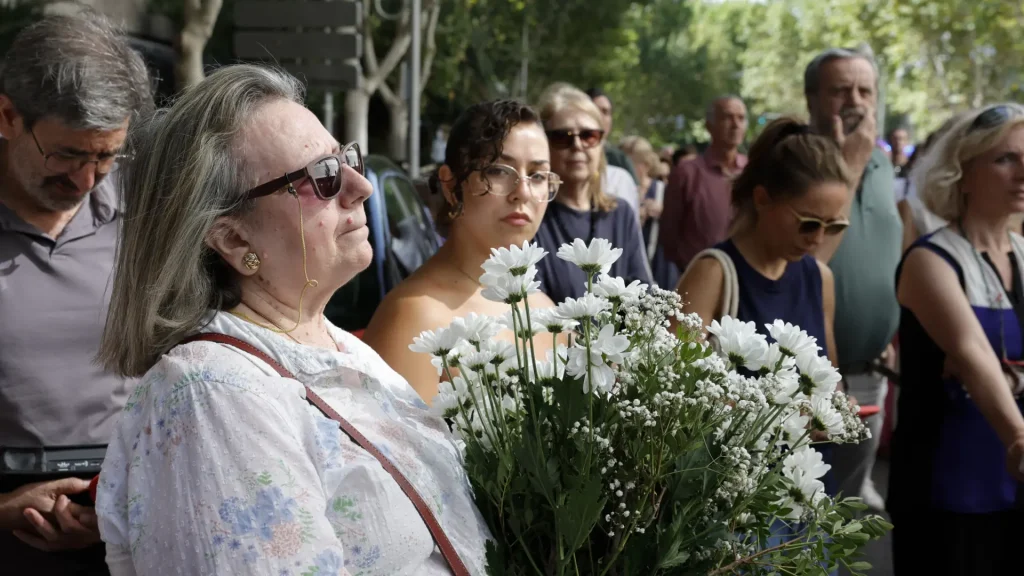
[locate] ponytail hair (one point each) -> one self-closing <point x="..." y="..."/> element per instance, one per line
<point x="786" y="160"/>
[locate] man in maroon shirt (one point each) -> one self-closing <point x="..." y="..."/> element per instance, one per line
<point x="698" y="196"/>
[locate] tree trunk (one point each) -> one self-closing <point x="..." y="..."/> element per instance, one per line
<point x="398" y="138"/>
<point x="200" y="17"/>
<point x="357" y="114"/>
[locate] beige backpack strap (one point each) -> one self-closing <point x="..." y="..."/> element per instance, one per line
<point x="730" y="281"/>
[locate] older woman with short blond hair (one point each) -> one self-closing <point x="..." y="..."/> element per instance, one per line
<point x="957" y="467"/>
<point x="582" y="209"/>
<point x="244" y="216"/>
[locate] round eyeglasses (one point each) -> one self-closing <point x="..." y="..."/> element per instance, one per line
<point x="502" y="180"/>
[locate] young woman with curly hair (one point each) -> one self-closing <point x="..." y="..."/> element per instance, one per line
<point x="496" y="181"/>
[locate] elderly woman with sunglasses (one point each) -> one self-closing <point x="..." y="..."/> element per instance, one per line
<point x="790" y="195"/>
<point x="496" y="183"/>
<point x="582" y="209"/>
<point x="262" y="439"/>
<point x="955" y="482"/>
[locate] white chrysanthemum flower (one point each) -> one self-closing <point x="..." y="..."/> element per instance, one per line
<point x="583" y="308"/>
<point x="603" y="375"/>
<point x="808" y="461"/>
<point x="610" y="344"/>
<point x="552" y="322"/>
<point x="514" y="260"/>
<point x="450" y="396"/>
<point x="739" y="341"/>
<point x="792" y="340"/>
<point x="825" y="417"/>
<point x="794" y="427"/>
<point x="773" y="360"/>
<point x="786" y="386"/>
<point x="535" y="327"/>
<point x="509" y="288"/>
<point x="616" y="290"/>
<point x="802" y="469"/>
<point x="817" y="375"/>
<point x="437" y="342"/>
<point x="597" y="258"/>
<point x="477" y="328"/>
<point x="453" y="357"/>
<point x="477" y="361"/>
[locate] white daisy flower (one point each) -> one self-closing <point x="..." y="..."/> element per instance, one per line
<point x="597" y="258"/>
<point x="603" y="375"/>
<point x="739" y="341"/>
<point x="825" y="417"/>
<point x="610" y="344"/>
<point x="616" y="290"/>
<point x="514" y="260"/>
<point x="583" y="308"/>
<point x="437" y="342"/>
<point x="509" y="288"/>
<point x="817" y="375"/>
<point x="792" y="340"/>
<point x="477" y="328"/>
<point x="551" y="322"/>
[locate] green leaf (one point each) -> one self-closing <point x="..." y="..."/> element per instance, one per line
<point x="581" y="512"/>
<point x="859" y="566"/>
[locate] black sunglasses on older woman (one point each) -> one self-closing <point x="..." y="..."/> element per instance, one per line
<point x="324" y="173"/>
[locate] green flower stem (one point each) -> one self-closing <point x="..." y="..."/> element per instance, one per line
<point x="529" y="331"/>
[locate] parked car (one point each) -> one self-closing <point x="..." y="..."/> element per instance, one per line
<point x="402" y="236"/>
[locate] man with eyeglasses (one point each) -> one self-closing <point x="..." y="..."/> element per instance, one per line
<point x="70" y="88"/>
<point x="841" y="87"/>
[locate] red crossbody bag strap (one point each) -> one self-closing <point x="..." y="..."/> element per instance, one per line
<point x="456" y="564"/>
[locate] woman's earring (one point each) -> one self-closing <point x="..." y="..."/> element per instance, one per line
<point x="251" y="261"/>
<point x="455" y="211"/>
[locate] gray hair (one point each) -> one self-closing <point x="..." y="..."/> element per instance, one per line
<point x="812" y="74"/>
<point x="709" y="113"/>
<point x="78" y="69"/>
<point x="188" y="172"/>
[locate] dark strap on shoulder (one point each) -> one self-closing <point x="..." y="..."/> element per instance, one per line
<point x="440" y="538"/>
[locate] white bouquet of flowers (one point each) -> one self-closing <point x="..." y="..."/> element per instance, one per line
<point x="628" y="449"/>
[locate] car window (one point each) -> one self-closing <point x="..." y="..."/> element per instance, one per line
<point x="412" y="235"/>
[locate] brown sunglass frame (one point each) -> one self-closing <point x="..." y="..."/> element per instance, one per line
<point x="306" y="171"/>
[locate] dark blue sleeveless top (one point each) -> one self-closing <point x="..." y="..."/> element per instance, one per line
<point x="945" y="454"/>
<point x="795" y="297"/>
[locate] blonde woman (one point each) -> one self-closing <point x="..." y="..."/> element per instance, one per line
<point x="582" y="209"/>
<point x="954" y="487"/>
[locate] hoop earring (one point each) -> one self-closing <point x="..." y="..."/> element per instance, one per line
<point x="456" y="210"/>
<point x="251" y="261"/>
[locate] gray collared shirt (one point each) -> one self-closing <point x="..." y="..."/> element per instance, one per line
<point x="54" y="295"/>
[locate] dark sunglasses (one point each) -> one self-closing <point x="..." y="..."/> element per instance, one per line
<point x="562" y="139"/>
<point x="325" y="174"/>
<point x="992" y="117"/>
<point x="810" y="225"/>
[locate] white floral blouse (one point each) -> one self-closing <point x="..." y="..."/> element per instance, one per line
<point x="220" y="466"/>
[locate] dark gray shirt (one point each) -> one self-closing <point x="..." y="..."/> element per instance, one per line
<point x="53" y="305"/>
<point x="560" y="279"/>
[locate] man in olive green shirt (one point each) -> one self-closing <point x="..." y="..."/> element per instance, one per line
<point x="841" y="90"/>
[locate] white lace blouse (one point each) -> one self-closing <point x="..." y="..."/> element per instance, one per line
<point x="220" y="466"/>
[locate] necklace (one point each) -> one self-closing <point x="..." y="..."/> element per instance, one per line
<point x="464" y="273"/>
<point x="288" y="333"/>
<point x="997" y="297"/>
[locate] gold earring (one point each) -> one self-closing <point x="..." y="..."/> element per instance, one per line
<point x="251" y="261"/>
<point x="455" y="211"/>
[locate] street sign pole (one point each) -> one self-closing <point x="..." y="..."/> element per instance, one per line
<point x="414" y="92"/>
